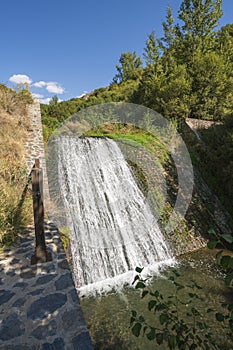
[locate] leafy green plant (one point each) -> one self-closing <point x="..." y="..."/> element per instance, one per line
<point x="174" y="327"/>
<point x="65" y="236"/>
<point x="223" y="259"/>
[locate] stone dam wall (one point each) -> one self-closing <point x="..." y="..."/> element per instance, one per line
<point x="39" y="305"/>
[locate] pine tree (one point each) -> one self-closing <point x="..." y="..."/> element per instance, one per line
<point x="200" y="18"/>
<point x="211" y="87"/>
<point x="130" y="67"/>
<point x="151" y="51"/>
<point x="169" y="30"/>
<point x="169" y="43"/>
<point x="224" y="45"/>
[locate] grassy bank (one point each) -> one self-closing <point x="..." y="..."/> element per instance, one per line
<point x="15" y="203"/>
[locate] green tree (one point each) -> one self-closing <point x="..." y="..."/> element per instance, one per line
<point x="212" y="87"/>
<point x="169" y="30"/>
<point x="200" y="18"/>
<point x="169" y="42"/>
<point x="224" y="45"/>
<point x="151" y="51"/>
<point x="167" y="92"/>
<point x="176" y="92"/>
<point x="54" y="100"/>
<point x="150" y="88"/>
<point x="130" y="67"/>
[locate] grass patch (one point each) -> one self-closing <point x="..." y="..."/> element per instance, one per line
<point x="135" y="135"/>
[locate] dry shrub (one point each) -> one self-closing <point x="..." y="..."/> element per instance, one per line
<point x="15" y="210"/>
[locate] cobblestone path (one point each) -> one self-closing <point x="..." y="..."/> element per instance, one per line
<point x="39" y="306"/>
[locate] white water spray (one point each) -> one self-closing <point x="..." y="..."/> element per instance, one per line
<point x="112" y="227"/>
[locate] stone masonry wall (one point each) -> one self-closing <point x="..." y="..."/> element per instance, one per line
<point x="35" y="144"/>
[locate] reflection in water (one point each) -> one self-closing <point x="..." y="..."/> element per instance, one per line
<point x="108" y="317"/>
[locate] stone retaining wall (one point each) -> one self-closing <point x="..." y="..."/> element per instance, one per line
<point x="34" y="144"/>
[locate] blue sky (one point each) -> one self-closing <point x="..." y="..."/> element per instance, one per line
<point x="71" y="47"/>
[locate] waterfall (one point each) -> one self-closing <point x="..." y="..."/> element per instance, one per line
<point x="112" y="226"/>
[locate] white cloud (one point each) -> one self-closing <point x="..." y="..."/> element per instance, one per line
<point x="40" y="84"/>
<point x="54" y="88"/>
<point x="20" y="79"/>
<point x="45" y="100"/>
<point x="38" y="96"/>
<point x="51" y="86"/>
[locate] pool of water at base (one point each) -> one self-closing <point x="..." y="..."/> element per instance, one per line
<point x="108" y="316"/>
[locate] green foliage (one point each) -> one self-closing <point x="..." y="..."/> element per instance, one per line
<point x="65" y="236"/>
<point x="192" y="77"/>
<point x="199" y="19"/>
<point x="56" y="112"/>
<point x="211" y="86"/>
<point x="178" y="329"/>
<point x="223" y="259"/>
<point x="151" y="51"/>
<point x="129" y="68"/>
<point x="167" y="93"/>
<point x="169" y="30"/>
<point x="194" y="331"/>
<point x="129" y="133"/>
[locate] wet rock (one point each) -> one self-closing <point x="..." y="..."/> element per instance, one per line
<point x="82" y="342"/>
<point x="44" y="306"/>
<point x="11" y="327"/>
<point x="5" y="296"/>
<point x="64" y="282"/>
<point x="42" y="332"/>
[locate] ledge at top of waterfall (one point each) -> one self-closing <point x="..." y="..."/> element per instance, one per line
<point x="112" y="227"/>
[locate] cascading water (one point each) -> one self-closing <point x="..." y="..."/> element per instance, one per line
<point x="112" y="227"/>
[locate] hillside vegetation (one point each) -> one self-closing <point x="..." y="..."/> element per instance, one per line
<point x="13" y="174"/>
<point x="188" y="72"/>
